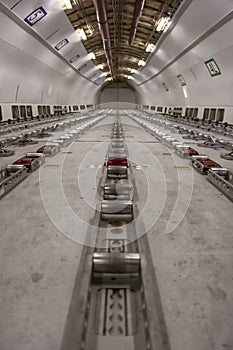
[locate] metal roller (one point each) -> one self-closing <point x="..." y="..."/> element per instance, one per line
<point x="118" y="210"/>
<point x="117" y="155"/>
<point x="117" y="172"/>
<point x="63" y="141"/>
<point x="49" y="150"/>
<point x="185" y="151"/>
<point x="222" y="178"/>
<point x="117" y="144"/>
<point x="117" y="139"/>
<point x="119" y="263"/>
<point x="203" y="164"/>
<point x="31" y="161"/>
<point x="115" y="132"/>
<point x="122" y="189"/>
<point x="10" y="177"/>
<point x="114" y="150"/>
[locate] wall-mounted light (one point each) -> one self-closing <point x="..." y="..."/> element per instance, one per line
<point x="150" y="47"/>
<point x="181" y="80"/>
<point x="91" y="55"/>
<point x="163" y="24"/>
<point x="81" y="33"/>
<point x="185" y="92"/>
<point x="141" y="63"/>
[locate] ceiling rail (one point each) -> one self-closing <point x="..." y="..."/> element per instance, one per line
<point x="102" y="21"/>
<point x="139" y="6"/>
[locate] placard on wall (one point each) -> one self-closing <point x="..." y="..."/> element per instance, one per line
<point x="35" y="16"/>
<point x="212" y="67"/>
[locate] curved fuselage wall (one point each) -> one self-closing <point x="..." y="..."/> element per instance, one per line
<point x="202" y="34"/>
<point x="31" y="73"/>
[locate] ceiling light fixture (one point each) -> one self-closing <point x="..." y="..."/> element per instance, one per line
<point x="90" y="29"/>
<point x="163" y="24"/>
<point x="91" y="55"/>
<point x="65" y="4"/>
<point x="81" y="33"/>
<point x="68" y="4"/>
<point x="141" y="63"/>
<point x="100" y="66"/>
<point x="150" y="47"/>
<point x="185" y="92"/>
<point x="133" y="71"/>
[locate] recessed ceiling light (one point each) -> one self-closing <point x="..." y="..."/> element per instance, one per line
<point x="141" y="63"/>
<point x="81" y="33"/>
<point x="163" y="24"/>
<point x="68" y="4"/>
<point x="91" y="55"/>
<point x="150" y="47"/>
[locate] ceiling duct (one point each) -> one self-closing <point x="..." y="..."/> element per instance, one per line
<point x="139" y="5"/>
<point x="102" y="21"/>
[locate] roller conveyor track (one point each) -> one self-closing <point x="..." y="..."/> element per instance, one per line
<point x="13" y="174"/>
<point x="116" y="302"/>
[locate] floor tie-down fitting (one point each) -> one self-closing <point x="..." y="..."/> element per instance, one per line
<point x="116" y="310"/>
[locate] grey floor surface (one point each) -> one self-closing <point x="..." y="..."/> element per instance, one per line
<point x="193" y="264"/>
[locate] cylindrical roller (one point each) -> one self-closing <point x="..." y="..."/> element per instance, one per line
<point x="117" y="144"/>
<point x="117" y="210"/>
<point x="117" y="155"/>
<point x="121" y="190"/>
<point x="120" y="263"/>
<point x="116" y="139"/>
<point x="117" y="206"/>
<point x="116" y="217"/>
<point x="13" y="168"/>
<point x="116" y="150"/>
<point x="117" y="172"/>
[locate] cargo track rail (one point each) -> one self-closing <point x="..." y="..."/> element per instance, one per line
<point x="116" y="302"/>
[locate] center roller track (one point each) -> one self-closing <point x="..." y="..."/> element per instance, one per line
<point x="116" y="302"/>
